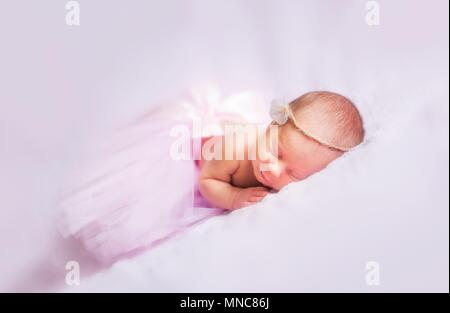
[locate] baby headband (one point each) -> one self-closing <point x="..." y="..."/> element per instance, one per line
<point x="280" y="112"/>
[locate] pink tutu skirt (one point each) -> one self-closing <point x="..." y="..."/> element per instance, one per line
<point x="134" y="194"/>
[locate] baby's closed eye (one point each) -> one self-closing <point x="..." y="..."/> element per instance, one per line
<point x="275" y="152"/>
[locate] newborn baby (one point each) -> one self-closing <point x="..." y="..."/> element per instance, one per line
<point x="306" y="135"/>
<point x="123" y="201"/>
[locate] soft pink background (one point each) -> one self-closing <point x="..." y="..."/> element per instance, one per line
<point x="388" y="202"/>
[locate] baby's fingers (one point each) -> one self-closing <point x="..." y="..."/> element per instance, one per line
<point x="256" y="199"/>
<point x="264" y="189"/>
<point x="261" y="193"/>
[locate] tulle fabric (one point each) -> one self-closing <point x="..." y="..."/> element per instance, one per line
<point x="132" y="194"/>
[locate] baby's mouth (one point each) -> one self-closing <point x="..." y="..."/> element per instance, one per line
<point x="265" y="179"/>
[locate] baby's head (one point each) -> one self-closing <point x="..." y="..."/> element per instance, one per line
<point x="321" y="127"/>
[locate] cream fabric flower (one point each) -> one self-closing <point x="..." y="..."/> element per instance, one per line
<point x="279" y="111"/>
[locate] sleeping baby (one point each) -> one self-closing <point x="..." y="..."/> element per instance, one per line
<point x="133" y="194"/>
<point x="305" y="136"/>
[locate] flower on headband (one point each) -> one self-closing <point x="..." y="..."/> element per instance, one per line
<point x="279" y="111"/>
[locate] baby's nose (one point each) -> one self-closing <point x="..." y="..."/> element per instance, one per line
<point x="276" y="168"/>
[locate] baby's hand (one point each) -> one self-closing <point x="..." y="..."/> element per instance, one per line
<point x="248" y="196"/>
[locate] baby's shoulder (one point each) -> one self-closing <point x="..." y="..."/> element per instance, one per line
<point x="219" y="168"/>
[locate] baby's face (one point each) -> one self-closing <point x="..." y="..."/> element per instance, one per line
<point x="298" y="157"/>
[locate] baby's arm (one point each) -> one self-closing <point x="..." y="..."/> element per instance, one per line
<point x="215" y="186"/>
